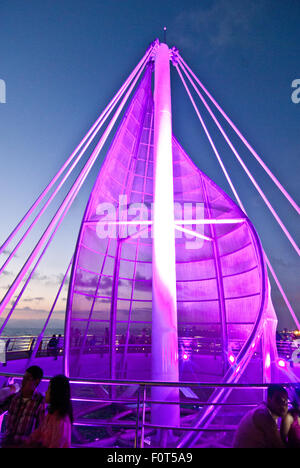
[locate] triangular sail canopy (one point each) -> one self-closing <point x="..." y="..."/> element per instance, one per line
<point x="220" y="272"/>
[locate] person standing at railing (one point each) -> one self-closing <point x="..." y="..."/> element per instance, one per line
<point x="26" y="409"/>
<point x="52" y="346"/>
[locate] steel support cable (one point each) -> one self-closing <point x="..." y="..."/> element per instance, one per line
<point x="256" y="185"/>
<point x="246" y="143"/>
<point x="88" y="138"/>
<point x="210" y="139"/>
<point x="41" y="335"/>
<point x="72" y="192"/>
<point x="287" y="302"/>
<point x="34" y="268"/>
<point x="241" y="205"/>
<point x="219" y="395"/>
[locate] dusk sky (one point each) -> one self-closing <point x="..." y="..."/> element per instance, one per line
<point x="63" y="60"/>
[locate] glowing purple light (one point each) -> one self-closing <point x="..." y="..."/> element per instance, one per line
<point x="281" y="363"/>
<point x="228" y="266"/>
<point x="258" y="188"/>
<point x="231" y="358"/>
<point x="268" y="361"/>
<point x="164" y="305"/>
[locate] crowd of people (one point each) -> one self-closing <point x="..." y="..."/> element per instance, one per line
<point x="34" y="420"/>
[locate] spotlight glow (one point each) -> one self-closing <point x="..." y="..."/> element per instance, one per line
<point x="231" y="358"/>
<point x="281" y="363"/>
<point x="267" y="361"/>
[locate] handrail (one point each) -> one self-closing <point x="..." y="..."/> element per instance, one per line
<point x="142" y="402"/>
<point x="77" y="380"/>
<point x="23" y="343"/>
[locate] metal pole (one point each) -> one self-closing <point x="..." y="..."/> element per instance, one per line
<point x="143" y="417"/>
<point x="113" y="315"/>
<point x="164" y="305"/>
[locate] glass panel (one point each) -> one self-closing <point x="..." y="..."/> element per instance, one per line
<point x="223" y="270"/>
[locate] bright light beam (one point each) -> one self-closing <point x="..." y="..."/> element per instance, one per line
<point x="246" y="143"/>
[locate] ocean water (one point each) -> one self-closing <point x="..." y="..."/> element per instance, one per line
<point x="17" y="331"/>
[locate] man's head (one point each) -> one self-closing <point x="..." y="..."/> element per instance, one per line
<point x="277" y="400"/>
<point x="31" y="380"/>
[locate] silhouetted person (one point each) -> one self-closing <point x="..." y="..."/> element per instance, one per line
<point x="290" y="424"/>
<point x="258" y="428"/>
<point x="52" y="346"/>
<point x="26" y="409"/>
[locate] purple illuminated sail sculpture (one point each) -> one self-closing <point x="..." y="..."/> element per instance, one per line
<point x="221" y="282"/>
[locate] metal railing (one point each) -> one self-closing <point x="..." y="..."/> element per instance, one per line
<point x="118" y="413"/>
<point x="16" y="345"/>
<point x="20" y="347"/>
<point x="207" y="344"/>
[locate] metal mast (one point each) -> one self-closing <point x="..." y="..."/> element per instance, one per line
<point x="164" y="305"/>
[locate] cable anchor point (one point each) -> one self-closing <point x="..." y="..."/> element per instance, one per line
<point x="174" y="56"/>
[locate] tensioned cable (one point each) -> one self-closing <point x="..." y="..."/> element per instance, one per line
<point x="267" y="259"/>
<point x="256" y="185"/>
<point x="210" y="139"/>
<point x="287" y="302"/>
<point x="239" y="202"/>
<point x="72" y="192"/>
<point x="34" y="268"/>
<point x="18" y="245"/>
<point x="36" y="265"/>
<point x="41" y="335"/>
<point x="246" y="143"/>
<point x="88" y="138"/>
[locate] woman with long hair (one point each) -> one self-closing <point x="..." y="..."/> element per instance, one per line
<point x="55" y="430"/>
<point x="290" y="424"/>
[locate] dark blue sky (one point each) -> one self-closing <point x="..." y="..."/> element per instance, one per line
<point x="62" y="61"/>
